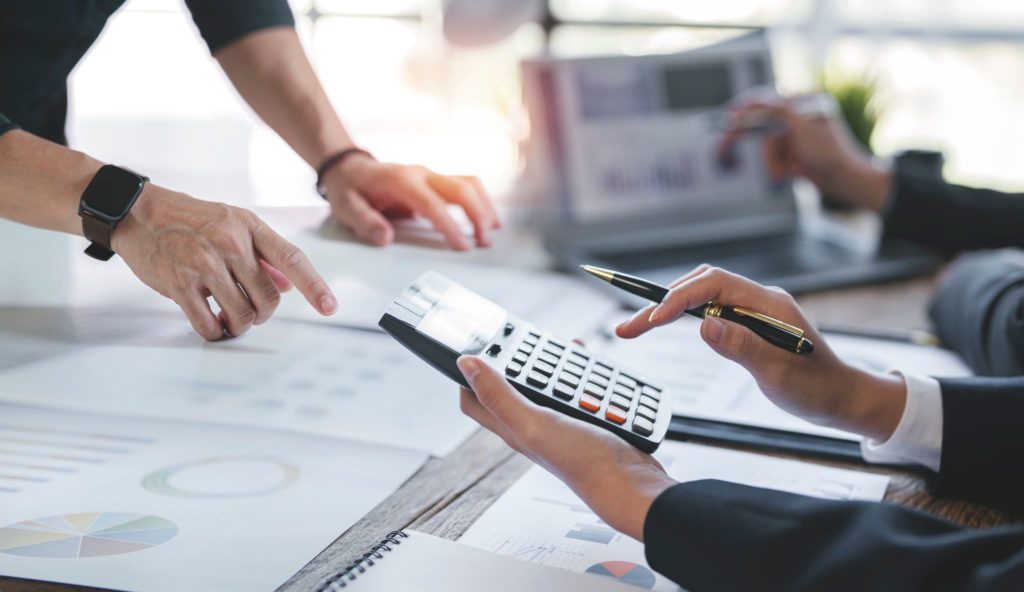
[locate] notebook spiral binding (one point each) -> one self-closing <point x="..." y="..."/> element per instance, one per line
<point x="342" y="578"/>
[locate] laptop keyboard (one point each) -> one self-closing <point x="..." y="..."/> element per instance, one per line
<point x="763" y="260"/>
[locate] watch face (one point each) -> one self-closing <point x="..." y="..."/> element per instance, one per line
<point x="112" y="191"/>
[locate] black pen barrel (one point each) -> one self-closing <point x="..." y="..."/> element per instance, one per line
<point x="777" y="336"/>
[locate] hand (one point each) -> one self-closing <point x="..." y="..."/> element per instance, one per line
<point x="188" y="250"/>
<point x="365" y="193"/>
<point x="818" y="148"/>
<point x="613" y="478"/>
<point x="818" y="387"/>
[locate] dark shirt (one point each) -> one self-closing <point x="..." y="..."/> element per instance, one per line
<point x="41" y="41"/>
<point x="5" y="125"/>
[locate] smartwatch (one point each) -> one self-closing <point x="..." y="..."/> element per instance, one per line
<point x="105" y="202"/>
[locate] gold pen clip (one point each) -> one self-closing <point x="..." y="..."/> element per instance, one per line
<point x="767" y="319"/>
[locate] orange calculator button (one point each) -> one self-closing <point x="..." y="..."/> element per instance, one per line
<point x="589" y="403"/>
<point x="615" y="414"/>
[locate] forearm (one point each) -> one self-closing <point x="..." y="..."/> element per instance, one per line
<point x="270" y="70"/>
<point x="713" y="535"/>
<point x="42" y="182"/>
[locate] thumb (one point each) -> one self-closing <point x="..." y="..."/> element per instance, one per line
<point x="733" y="342"/>
<point x="494" y="392"/>
<point x="363" y="219"/>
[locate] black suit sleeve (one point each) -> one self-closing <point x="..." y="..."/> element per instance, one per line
<point x="6" y="125"/>
<point x="978" y="311"/>
<point x="982" y="441"/>
<point x="222" y="21"/>
<point x="952" y="218"/>
<point x="713" y="535"/>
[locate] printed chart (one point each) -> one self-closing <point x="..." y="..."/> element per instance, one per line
<point x="626" y="572"/>
<point x="224" y="477"/>
<point x="91" y="534"/>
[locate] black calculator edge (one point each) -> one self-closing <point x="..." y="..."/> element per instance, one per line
<point x="686" y="428"/>
<point x="441" y="359"/>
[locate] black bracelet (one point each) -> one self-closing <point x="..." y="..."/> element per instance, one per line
<point x="333" y="161"/>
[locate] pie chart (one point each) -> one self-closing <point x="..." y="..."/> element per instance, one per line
<point x="89" y="534"/>
<point x="626" y="572"/>
<point x="223" y="478"/>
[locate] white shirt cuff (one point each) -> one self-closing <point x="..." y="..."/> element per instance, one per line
<point x="918" y="437"/>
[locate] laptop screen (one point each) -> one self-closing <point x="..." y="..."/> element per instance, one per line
<point x="637" y="137"/>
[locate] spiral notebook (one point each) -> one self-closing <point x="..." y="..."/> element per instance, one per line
<point x="411" y="560"/>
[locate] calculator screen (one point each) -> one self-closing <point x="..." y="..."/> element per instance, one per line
<point x="463" y="320"/>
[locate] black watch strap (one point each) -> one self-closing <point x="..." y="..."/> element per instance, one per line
<point x="98" y="233"/>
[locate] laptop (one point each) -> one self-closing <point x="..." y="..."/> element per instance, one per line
<point x="628" y="145"/>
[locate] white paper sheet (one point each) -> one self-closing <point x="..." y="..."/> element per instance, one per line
<point x="541" y="520"/>
<point x="166" y="506"/>
<point x="304" y="377"/>
<point x="570" y="306"/>
<point x="705" y="385"/>
<point x="426" y="562"/>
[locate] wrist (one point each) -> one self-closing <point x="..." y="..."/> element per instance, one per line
<point x="875" y="404"/>
<point x="865" y="183"/>
<point x="140" y="216"/>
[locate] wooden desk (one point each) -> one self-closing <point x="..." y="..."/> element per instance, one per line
<point x="448" y="494"/>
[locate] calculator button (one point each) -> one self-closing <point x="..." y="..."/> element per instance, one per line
<point x="494" y="350"/>
<point x="599" y="380"/>
<point x="645" y="412"/>
<point x="532" y="338"/>
<point x="537" y="379"/>
<point x="578" y="358"/>
<point x="651" y="392"/>
<point x="594" y="390"/>
<point x="603" y="369"/>
<point x="615" y="415"/>
<point x="648" y="402"/>
<point x="590" y="403"/>
<point x="553" y="350"/>
<point x="624" y="391"/>
<point x="544" y="368"/>
<point x="574" y="369"/>
<point x="643" y="426"/>
<point x="526" y="348"/>
<point x="520" y="357"/>
<point x="627" y="380"/>
<point x="621" y="402"/>
<point x="514" y="369"/>
<point x="564" y="392"/>
<point x="557" y="343"/>
<point x="549" y="358"/>
<point x="509" y="328"/>
<point x="569" y="379"/>
<point x="581" y="355"/>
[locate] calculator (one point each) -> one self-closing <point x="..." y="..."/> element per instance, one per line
<point x="440" y="320"/>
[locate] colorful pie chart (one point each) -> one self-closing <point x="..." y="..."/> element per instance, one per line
<point x="626" y="572"/>
<point x="89" y="534"/>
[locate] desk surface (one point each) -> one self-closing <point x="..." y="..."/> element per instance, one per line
<point x="448" y="494"/>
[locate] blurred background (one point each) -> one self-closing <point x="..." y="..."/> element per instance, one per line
<point x="945" y="75"/>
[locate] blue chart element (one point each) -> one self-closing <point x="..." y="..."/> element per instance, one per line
<point x="626" y="572"/>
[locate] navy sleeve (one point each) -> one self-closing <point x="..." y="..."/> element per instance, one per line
<point x="6" y="125"/>
<point x="222" y="21"/>
<point x="982" y="442"/>
<point x="978" y="311"/>
<point x="953" y="218"/>
<point x="713" y="535"/>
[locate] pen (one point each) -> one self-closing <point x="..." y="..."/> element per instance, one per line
<point x="773" y="331"/>
<point x="810" y="106"/>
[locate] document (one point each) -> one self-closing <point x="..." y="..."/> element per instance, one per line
<point x="413" y="560"/>
<point x="705" y="385"/>
<point x="161" y="506"/>
<point x="540" y="520"/>
<point x="567" y="305"/>
<point x="303" y="377"/>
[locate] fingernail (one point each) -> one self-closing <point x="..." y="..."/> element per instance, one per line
<point x="328" y="304"/>
<point x="656" y="315"/>
<point x="469" y="366"/>
<point x="715" y="329"/>
<point x="379" y="236"/>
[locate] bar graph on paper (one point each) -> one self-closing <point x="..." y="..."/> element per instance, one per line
<point x="33" y="454"/>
